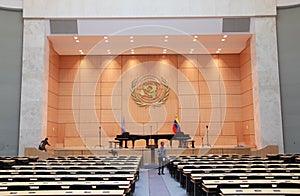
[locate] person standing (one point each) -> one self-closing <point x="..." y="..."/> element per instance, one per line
<point x="43" y="144"/>
<point x="161" y="151"/>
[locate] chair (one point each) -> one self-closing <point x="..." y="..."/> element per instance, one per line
<point x="238" y="171"/>
<point x="189" y="167"/>
<point x="257" y="166"/>
<point x="274" y="166"/>
<point x="260" y="185"/>
<point x="256" y="177"/>
<point x="229" y="177"/>
<point x="227" y="186"/>
<point x="288" y="185"/>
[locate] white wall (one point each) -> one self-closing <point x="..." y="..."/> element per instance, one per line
<point x="153" y="8"/>
<point x="287" y="3"/>
<point x="11" y="4"/>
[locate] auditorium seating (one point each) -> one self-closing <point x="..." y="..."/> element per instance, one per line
<point x="77" y="175"/>
<point x="237" y="174"/>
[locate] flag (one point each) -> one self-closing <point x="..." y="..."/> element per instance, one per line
<point x="123" y="125"/>
<point x="176" y="126"/>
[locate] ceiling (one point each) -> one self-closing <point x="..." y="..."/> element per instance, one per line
<point x="156" y="44"/>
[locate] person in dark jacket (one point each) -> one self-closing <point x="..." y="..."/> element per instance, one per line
<point x="43" y="144"/>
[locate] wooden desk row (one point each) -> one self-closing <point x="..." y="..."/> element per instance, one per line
<point x="260" y="191"/>
<point x="238" y="165"/>
<point x="77" y="177"/>
<point x="192" y="171"/>
<point x="65" y="185"/>
<point x="77" y="167"/>
<point x="213" y="186"/>
<point x="100" y="162"/>
<point x="104" y="158"/>
<point x="194" y="184"/>
<point x="67" y="192"/>
<point x="68" y="171"/>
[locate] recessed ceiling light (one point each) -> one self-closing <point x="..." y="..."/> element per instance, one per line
<point x="194" y="40"/>
<point x="165" y="40"/>
<point x="224" y="36"/>
<point x="75" y="37"/>
<point x="217" y="51"/>
<point x="195" y="36"/>
<point x="131" y="37"/>
<point x="166" y="36"/>
<point x="80" y="50"/>
<point x="223" y="40"/>
<point x="77" y="41"/>
<point x="132" y="50"/>
<point x="105" y="37"/>
<point x="131" y="40"/>
<point x="106" y="41"/>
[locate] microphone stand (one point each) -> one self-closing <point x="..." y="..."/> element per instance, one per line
<point x="207" y="143"/>
<point x="100" y="137"/>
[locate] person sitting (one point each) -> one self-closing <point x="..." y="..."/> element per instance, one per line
<point x="43" y="144"/>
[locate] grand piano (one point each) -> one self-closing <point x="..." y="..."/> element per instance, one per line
<point x="126" y="136"/>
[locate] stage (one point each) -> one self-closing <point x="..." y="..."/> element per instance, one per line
<point x="150" y="155"/>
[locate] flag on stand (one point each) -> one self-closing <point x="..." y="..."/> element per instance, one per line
<point x="123" y="125"/>
<point x="176" y="126"/>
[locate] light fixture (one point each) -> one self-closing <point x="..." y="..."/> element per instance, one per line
<point x="108" y="51"/>
<point x="223" y="39"/>
<point x="106" y="41"/>
<point x="77" y="41"/>
<point x="75" y="37"/>
<point x="219" y="49"/>
<point x="164" y="51"/>
<point x="166" y="36"/>
<point x="131" y="40"/>
<point x="194" y="40"/>
<point x="131" y="37"/>
<point x="105" y="37"/>
<point x="195" y="36"/>
<point x="165" y="40"/>
<point x="224" y="36"/>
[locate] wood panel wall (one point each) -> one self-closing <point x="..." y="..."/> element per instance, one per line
<point x="53" y="86"/>
<point x="247" y="134"/>
<point x="74" y="123"/>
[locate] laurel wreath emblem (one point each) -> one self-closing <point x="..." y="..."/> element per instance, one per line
<point x="149" y="90"/>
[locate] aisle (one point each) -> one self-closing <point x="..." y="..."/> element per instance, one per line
<point x="152" y="184"/>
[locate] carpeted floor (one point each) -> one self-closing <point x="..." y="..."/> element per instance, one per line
<point x="152" y="184"/>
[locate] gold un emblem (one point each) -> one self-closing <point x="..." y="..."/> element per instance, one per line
<point x="149" y="90"/>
